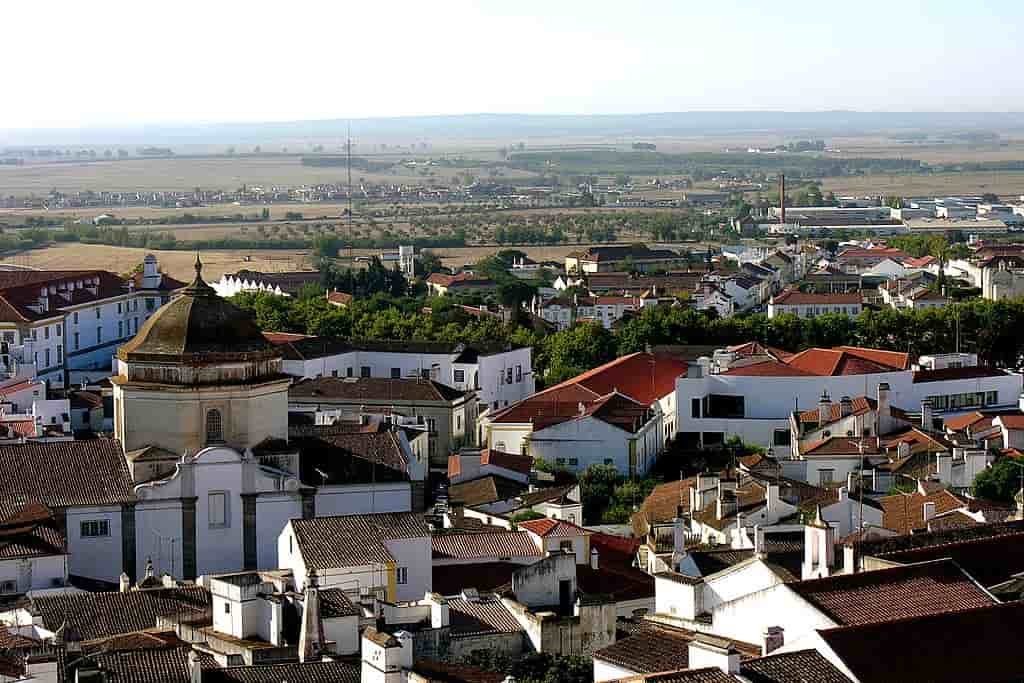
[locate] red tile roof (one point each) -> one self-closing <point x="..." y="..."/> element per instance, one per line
<point x="509" y="461"/>
<point x="283" y="337"/>
<point x="959" y="423"/>
<point x="1011" y="421"/>
<point x="794" y="297"/>
<point x="339" y="298"/>
<point x="904" y="512"/>
<point x="554" y="528"/>
<point x="841" y="360"/>
<point x="893" y="593"/>
<point x="912" y="262"/>
<point x="875" y="252"/>
<point x="641" y="377"/>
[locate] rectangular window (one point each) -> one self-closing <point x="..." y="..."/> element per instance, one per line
<point x="402" y="575"/>
<point x="991" y="398"/>
<point x="218" y="513"/>
<point x="120" y="329"/>
<point x="98" y="312"/>
<point x="396" y="373"/>
<point x="76" y="341"/>
<point x="74" y="317"/>
<point x="459" y="376"/>
<point x="695" y="408"/>
<point x="609" y="461"/>
<point x="118" y="306"/>
<point x="825" y="477"/>
<point x="559" y="461"/>
<point x="150" y="304"/>
<point x="508" y="376"/>
<point x="334" y="373"/>
<point x="574" y="462"/>
<point x="8" y="587"/>
<point x="519" y="373"/>
<point x="95" y="528"/>
<point x="424" y="373"/>
<point x="364" y="371"/>
<point x="348" y="372"/>
<point x="227" y="607"/>
<point x="780" y="437"/>
<point x="135" y="305"/>
<point x="60" y="354"/>
<point x="60" y="330"/>
<point x="99" y="335"/>
<point x="432" y="425"/>
<point x="47" y="358"/>
<point x="458" y="422"/>
<point x="46" y="332"/>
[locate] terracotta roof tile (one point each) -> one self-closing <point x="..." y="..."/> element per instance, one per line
<point x="487" y="616"/>
<point x="904" y="512"/>
<point x="99" y="615"/>
<point x="884" y="594"/>
<point x="553" y="528"/>
<point x="481" y="546"/>
<point x="802" y="666"/>
<point x="374" y="389"/>
<point x="949" y="646"/>
<point x="509" y="461"/>
<point x="365" y="537"/>
<point x="338" y="671"/>
<point x="64" y="474"/>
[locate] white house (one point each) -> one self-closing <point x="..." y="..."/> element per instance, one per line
<point x="387" y="556"/>
<point x="500" y="375"/>
<point x="620" y="413"/>
<point x="33" y="551"/>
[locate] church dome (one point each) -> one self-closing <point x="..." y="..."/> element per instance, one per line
<point x="198" y="326"/>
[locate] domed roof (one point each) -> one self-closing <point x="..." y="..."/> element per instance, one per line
<point x="198" y="322"/>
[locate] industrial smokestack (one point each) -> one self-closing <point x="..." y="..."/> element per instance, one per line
<point x="782" y="198"/>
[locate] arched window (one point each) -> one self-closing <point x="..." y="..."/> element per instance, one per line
<point x="214" y="426"/>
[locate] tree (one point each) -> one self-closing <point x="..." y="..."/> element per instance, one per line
<point x="577" y="349"/>
<point x="428" y="262"/>
<point x="1001" y="481"/>
<point x="597" y="483"/>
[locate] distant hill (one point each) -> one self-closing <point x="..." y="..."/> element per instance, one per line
<point x="512" y="126"/>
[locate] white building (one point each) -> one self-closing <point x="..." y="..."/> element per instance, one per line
<point x="753" y="401"/>
<point x="55" y="322"/>
<point x="620" y="414"/>
<point x="387" y="556"/>
<point x="810" y="305"/>
<point x="500" y="375"/>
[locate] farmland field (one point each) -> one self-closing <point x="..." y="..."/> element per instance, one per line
<point x="1003" y="183"/>
<point x="179" y="264"/>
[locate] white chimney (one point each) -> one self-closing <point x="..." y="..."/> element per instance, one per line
<point x="845" y="406"/>
<point x="311" y="633"/>
<point x="1020" y="403"/>
<point x="706" y="651"/>
<point x="824" y="409"/>
<point x="884" y="416"/>
<point x="439" y="615"/>
<point x="125" y="582"/>
<point x="926" y="414"/>
<point x="593" y="558"/>
<point x="929" y="511"/>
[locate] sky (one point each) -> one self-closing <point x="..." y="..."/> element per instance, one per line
<point x="72" y="64"/>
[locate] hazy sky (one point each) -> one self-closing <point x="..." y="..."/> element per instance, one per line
<point x="71" y="63"/>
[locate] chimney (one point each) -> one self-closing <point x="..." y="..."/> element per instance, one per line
<point x="1020" y="403"/>
<point x="824" y="408"/>
<point x="195" y="667"/>
<point x="845" y="406"/>
<point x="125" y="582"/>
<point x="927" y="423"/>
<point x="593" y="558"/>
<point x="819" y="548"/>
<point x="929" y="512"/>
<point x="439" y="614"/>
<point x="707" y="651"/>
<point x="311" y="634"/>
<point x="772" y="497"/>
<point x="759" y="547"/>
<point x="774" y="638"/>
<point x="884" y="425"/>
